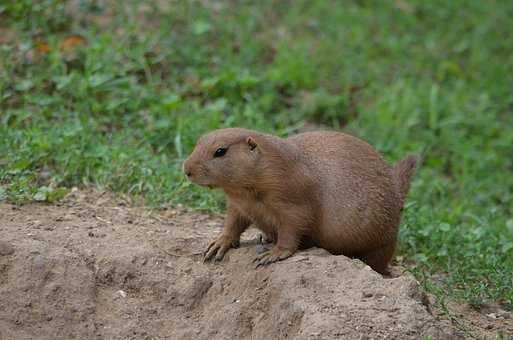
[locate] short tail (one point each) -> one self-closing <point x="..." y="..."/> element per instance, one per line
<point x="403" y="171"/>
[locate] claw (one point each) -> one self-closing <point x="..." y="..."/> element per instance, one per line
<point x="208" y="248"/>
<point x="218" y="249"/>
<point x="211" y="251"/>
<point x="220" y="253"/>
<point x="259" y="256"/>
<point x="268" y="257"/>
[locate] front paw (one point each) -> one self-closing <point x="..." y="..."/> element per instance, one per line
<point x="274" y="255"/>
<point x="219" y="247"/>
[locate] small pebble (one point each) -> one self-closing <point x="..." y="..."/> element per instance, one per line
<point x="503" y="314"/>
<point x="492" y="316"/>
<point x="39" y="261"/>
<point x="121" y="293"/>
<point x="260" y="249"/>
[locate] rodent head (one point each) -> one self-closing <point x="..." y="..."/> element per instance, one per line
<point x="224" y="158"/>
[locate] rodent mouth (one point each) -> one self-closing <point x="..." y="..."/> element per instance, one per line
<point x="204" y="184"/>
<point x="208" y="186"/>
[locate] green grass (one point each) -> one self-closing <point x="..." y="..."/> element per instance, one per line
<point x="123" y="111"/>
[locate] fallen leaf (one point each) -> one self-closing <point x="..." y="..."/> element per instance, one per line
<point x="42" y="47"/>
<point x="70" y="44"/>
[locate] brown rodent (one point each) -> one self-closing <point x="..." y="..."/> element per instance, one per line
<point x="324" y="189"/>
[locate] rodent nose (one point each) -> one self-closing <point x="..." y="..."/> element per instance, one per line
<point x="187" y="169"/>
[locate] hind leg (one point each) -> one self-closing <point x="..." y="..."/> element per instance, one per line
<point x="380" y="258"/>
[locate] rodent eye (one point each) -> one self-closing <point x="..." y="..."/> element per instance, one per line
<point x="220" y="152"/>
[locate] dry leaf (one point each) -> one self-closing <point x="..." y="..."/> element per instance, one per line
<point x="69" y="44"/>
<point x="42" y="47"/>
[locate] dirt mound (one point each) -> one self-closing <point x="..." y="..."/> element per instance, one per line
<point x="94" y="267"/>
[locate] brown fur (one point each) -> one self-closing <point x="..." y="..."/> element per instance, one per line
<point x="324" y="189"/>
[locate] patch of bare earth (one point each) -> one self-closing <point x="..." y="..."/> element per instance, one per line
<point x="94" y="267"/>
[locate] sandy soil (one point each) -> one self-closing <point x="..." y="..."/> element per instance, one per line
<point x="96" y="267"/>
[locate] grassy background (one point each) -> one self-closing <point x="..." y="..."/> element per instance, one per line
<point x="114" y="94"/>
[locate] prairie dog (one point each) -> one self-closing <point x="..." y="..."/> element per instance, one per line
<point x="325" y="189"/>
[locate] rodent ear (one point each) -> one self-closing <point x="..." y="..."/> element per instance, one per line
<point x="251" y="143"/>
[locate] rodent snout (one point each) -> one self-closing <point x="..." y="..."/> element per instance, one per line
<point x="187" y="169"/>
